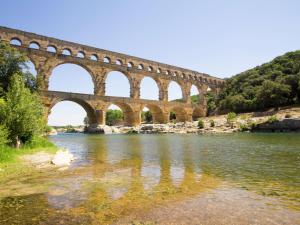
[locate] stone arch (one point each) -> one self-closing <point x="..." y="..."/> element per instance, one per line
<point x="147" y="87"/>
<point x="79" y="65"/>
<point x="51" y="48"/>
<point x="67" y="52"/>
<point x="194" y="91"/>
<point x="116" y="82"/>
<point x="80" y="54"/>
<point x="197" y="113"/>
<point x="16" y="41"/>
<point x="30" y="67"/>
<point x="128" y="113"/>
<point x="94" y="57"/>
<point x="85" y="105"/>
<point x="180" y="113"/>
<point x="158" y="115"/>
<point x="173" y="93"/>
<point x="34" y="45"/>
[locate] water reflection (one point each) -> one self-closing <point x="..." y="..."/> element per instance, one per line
<point x="116" y="175"/>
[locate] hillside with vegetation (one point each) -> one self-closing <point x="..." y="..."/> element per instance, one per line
<point x="273" y="84"/>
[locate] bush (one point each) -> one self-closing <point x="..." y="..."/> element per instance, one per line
<point x="200" y="124"/>
<point x="3" y="135"/>
<point x="244" y="127"/>
<point x="212" y="123"/>
<point x="272" y="119"/>
<point x="114" y="117"/>
<point x="231" y="117"/>
<point x="22" y="112"/>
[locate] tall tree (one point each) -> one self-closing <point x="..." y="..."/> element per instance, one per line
<point x="22" y="113"/>
<point x="12" y="62"/>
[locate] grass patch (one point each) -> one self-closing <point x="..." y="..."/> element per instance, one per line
<point x="9" y="154"/>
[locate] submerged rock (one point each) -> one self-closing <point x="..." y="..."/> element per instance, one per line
<point x="101" y="129"/>
<point x="62" y="158"/>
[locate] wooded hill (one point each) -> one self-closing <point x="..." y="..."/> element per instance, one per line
<point x="273" y="84"/>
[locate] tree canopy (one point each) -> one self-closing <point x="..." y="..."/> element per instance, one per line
<point x="272" y="84"/>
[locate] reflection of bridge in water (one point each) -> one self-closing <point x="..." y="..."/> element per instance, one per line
<point x="46" y="53"/>
<point x="125" y="176"/>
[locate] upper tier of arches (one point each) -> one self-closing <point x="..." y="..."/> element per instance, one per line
<point x="56" y="46"/>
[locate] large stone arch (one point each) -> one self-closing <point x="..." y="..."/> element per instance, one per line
<point x="156" y="83"/>
<point x="130" y="116"/>
<point x="181" y="113"/>
<point x="198" y="112"/>
<point x="158" y="113"/>
<point x="91" y="113"/>
<point x="181" y="88"/>
<point x="126" y="74"/>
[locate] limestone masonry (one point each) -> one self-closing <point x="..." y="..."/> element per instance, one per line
<point x="46" y="53"/>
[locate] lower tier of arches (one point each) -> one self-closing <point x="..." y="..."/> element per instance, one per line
<point x="96" y="108"/>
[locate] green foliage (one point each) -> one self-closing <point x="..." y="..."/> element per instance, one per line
<point x="200" y="124"/>
<point x="211" y="102"/>
<point x="70" y="129"/>
<point x="244" y="127"/>
<point x="231" y="117"/>
<point x="38" y="142"/>
<point x="272" y="119"/>
<point x="273" y="84"/>
<point x="212" y="123"/>
<point x="172" y="116"/>
<point x="146" y="116"/>
<point x="12" y="62"/>
<point x="22" y="113"/>
<point x="194" y="99"/>
<point x="114" y="117"/>
<point x="3" y="135"/>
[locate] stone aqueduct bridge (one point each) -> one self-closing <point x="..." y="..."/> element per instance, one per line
<point x="46" y="53"/>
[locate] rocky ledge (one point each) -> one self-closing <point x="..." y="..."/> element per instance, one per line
<point x="62" y="158"/>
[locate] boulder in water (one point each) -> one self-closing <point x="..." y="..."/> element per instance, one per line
<point x="62" y="158"/>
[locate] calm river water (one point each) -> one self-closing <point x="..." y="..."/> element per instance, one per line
<point x="164" y="179"/>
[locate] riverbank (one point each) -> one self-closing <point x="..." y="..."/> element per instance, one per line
<point x="31" y="159"/>
<point x="283" y="120"/>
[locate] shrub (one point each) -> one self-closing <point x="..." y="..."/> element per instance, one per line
<point x="3" y="135"/>
<point x="200" y="124"/>
<point x="244" y="127"/>
<point x="272" y="119"/>
<point x="22" y="113"/>
<point x="231" y="117"/>
<point x="212" y="123"/>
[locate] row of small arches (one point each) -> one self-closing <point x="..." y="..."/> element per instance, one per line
<point x="106" y="59"/>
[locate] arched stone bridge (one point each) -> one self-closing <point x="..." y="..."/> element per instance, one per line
<point x="46" y="53"/>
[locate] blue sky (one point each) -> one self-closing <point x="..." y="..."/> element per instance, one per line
<point x="221" y="38"/>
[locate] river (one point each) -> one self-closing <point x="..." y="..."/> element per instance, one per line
<point x="242" y="178"/>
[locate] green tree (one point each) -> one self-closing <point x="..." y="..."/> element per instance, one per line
<point x="146" y="116"/>
<point x="12" y="62"/>
<point x="3" y="135"/>
<point x="172" y="116"/>
<point x="272" y="94"/>
<point x="231" y="117"/>
<point x="22" y="113"/>
<point x="114" y="117"/>
<point x="272" y="84"/>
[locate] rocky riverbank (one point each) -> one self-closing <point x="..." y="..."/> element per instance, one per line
<point x="273" y="120"/>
